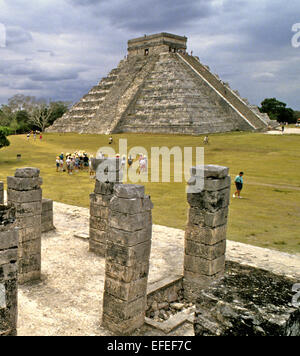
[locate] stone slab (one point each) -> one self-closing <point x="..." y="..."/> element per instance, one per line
<point x="47" y="205"/>
<point x="8" y="271"/>
<point x="100" y="199"/>
<point x="129" y="222"/>
<point x="130" y="239"/>
<point x="28" y="248"/>
<point x="122" y="327"/>
<point x="99" y="236"/>
<point x="130" y="206"/>
<point x="126" y="291"/>
<point x="206" y="219"/>
<point x="104" y="188"/>
<point x="9" y="239"/>
<point x="209" y="252"/>
<point x="204" y="266"/>
<point x="211" y="201"/>
<point x="206" y="235"/>
<point x="126" y="274"/>
<point x="129" y="191"/>
<point x="8" y="256"/>
<point x="128" y="256"/>
<point x="123" y="310"/>
<point x="27" y="172"/>
<point x="15" y="196"/>
<point x="24" y="184"/>
<point x="97" y="247"/>
<point x="210" y="171"/>
<point x="99" y="211"/>
<point x="28" y="209"/>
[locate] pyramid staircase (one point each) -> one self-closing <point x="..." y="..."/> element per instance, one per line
<point x="161" y="91"/>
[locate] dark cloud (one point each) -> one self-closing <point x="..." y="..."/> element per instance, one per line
<point x="60" y="48"/>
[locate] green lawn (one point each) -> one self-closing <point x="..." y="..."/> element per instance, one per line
<point x="268" y="216"/>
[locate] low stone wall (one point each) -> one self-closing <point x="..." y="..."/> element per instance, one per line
<point x="8" y="272"/>
<point x="47" y="215"/>
<point x="161" y="295"/>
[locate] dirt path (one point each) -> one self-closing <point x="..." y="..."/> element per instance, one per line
<point x="286" y="131"/>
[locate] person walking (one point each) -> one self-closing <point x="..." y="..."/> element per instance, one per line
<point x="239" y="181"/>
<point x="206" y="140"/>
<point x="130" y="161"/>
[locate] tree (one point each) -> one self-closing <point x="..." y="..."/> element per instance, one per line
<point x="296" y="115"/>
<point x="4" y="131"/>
<point x="59" y="108"/>
<point x="40" y="116"/>
<point x="277" y="110"/>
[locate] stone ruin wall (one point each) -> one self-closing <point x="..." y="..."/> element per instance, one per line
<point x="8" y="272"/>
<point x="127" y="249"/>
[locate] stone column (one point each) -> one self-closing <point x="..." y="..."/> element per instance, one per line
<point x="8" y="272"/>
<point x="205" y="236"/>
<point x="1" y="193"/>
<point x="99" y="202"/>
<point x="25" y="194"/>
<point x="127" y="259"/>
<point x="47" y="215"/>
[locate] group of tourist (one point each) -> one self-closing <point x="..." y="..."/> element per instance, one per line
<point x="34" y="134"/>
<point x="142" y="159"/>
<point x="81" y="161"/>
<point x="74" y="162"/>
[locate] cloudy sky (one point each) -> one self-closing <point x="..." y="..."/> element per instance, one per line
<point x="59" y="49"/>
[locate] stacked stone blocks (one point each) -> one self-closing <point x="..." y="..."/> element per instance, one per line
<point x="47" y="215"/>
<point x="205" y="236"/>
<point x="99" y="202"/>
<point x="127" y="259"/>
<point x="8" y="272"/>
<point x="1" y="193"/>
<point x="25" y="194"/>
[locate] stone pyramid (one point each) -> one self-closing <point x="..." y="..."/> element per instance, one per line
<point x="159" y="88"/>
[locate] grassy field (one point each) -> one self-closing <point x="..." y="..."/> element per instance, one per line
<point x="268" y="216"/>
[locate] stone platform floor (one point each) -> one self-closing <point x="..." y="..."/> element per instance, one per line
<point x="68" y="300"/>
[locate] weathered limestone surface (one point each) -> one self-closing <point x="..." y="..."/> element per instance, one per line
<point x="8" y="272"/>
<point x="1" y="193"/>
<point x="25" y="194"/>
<point x="205" y="236"/>
<point x="161" y="92"/>
<point x="46" y="310"/>
<point x="47" y="215"/>
<point x="127" y="260"/>
<point x="247" y="302"/>
<point x="110" y="176"/>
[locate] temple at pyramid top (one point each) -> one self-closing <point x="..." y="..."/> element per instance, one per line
<point x="155" y="44"/>
<point x="160" y="88"/>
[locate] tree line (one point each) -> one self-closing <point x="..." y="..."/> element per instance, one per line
<point x="27" y="113"/>
<point x="277" y="110"/>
